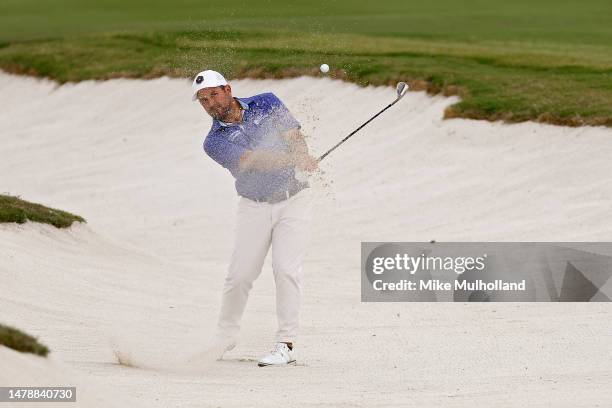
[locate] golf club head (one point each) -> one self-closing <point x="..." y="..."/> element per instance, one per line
<point x="402" y="88"/>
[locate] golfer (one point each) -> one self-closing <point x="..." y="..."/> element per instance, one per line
<point x="259" y="142"/>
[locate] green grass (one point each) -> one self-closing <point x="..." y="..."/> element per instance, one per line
<point x="17" y="340"/>
<point x="14" y="209"/>
<point x="540" y="60"/>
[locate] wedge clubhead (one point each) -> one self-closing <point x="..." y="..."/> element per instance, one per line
<point x="402" y="88"/>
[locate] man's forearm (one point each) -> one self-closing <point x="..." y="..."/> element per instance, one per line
<point x="266" y="160"/>
<point x="297" y="142"/>
<point x="272" y="160"/>
<point x="298" y="146"/>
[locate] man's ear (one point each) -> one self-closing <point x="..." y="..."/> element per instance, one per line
<point x="227" y="88"/>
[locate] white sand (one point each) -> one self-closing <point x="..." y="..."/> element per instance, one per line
<point x="148" y="267"/>
<point x="27" y="370"/>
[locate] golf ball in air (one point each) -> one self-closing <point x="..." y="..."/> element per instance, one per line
<point x="324" y="68"/>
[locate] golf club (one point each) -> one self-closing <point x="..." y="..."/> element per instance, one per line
<point x="402" y="88"/>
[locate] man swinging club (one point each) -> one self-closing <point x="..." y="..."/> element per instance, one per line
<point x="259" y="142"/>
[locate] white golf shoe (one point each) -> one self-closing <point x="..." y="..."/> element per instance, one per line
<point x="280" y="355"/>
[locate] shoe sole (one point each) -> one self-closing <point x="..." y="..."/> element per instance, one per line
<point x="292" y="362"/>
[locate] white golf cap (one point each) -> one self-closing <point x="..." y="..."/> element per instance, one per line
<point x="207" y="79"/>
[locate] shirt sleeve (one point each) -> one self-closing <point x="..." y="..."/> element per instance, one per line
<point x="284" y="119"/>
<point x="224" y="152"/>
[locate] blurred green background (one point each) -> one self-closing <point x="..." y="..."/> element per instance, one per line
<point x="549" y="61"/>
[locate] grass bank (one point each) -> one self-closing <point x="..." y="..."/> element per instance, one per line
<point x="14" y="209"/>
<point x="547" y="62"/>
<point x="19" y="341"/>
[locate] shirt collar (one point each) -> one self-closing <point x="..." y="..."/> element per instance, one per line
<point x="244" y="105"/>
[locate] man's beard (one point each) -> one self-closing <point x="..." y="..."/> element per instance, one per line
<point x="223" y="115"/>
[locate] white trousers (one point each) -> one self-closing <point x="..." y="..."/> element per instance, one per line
<point x="286" y="227"/>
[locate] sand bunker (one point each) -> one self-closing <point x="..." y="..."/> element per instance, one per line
<point x="148" y="267"/>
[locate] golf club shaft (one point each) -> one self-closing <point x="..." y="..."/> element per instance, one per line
<point x="356" y="130"/>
